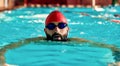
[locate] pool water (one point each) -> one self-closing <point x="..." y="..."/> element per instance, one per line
<point x="59" y="54"/>
<point x="28" y="22"/>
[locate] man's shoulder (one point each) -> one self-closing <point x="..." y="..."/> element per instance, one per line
<point x="35" y="39"/>
<point x="78" y="40"/>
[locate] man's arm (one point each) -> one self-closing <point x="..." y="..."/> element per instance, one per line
<point x="2" y="58"/>
<point x="115" y="50"/>
<point x="96" y="44"/>
<point x="15" y="45"/>
<point x="23" y="42"/>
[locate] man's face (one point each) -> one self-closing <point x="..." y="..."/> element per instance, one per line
<point x="56" y="31"/>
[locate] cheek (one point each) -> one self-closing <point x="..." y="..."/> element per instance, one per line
<point x="49" y="32"/>
<point x="64" y="32"/>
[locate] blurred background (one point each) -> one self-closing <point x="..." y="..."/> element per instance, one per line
<point x="10" y="4"/>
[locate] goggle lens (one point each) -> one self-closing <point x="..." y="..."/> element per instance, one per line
<point x="52" y="26"/>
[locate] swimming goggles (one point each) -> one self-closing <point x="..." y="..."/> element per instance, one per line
<point x="52" y="26"/>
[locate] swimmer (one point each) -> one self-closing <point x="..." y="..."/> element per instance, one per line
<point x="56" y="29"/>
<point x="115" y="20"/>
<point x="117" y="15"/>
<point x="108" y="18"/>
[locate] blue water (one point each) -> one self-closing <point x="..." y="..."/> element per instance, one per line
<point x="57" y="55"/>
<point x="28" y="22"/>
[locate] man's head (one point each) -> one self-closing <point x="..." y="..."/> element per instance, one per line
<point x="56" y="27"/>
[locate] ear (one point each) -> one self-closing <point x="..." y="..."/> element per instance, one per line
<point x="45" y="30"/>
<point x="68" y="28"/>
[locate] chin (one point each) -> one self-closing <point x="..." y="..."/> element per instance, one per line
<point x="64" y="38"/>
<point x="56" y="38"/>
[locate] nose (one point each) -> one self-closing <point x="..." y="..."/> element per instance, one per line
<point x="57" y="29"/>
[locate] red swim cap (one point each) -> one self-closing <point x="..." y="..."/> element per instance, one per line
<point x="55" y="16"/>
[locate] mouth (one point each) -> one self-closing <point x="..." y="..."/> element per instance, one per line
<point x="56" y="37"/>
